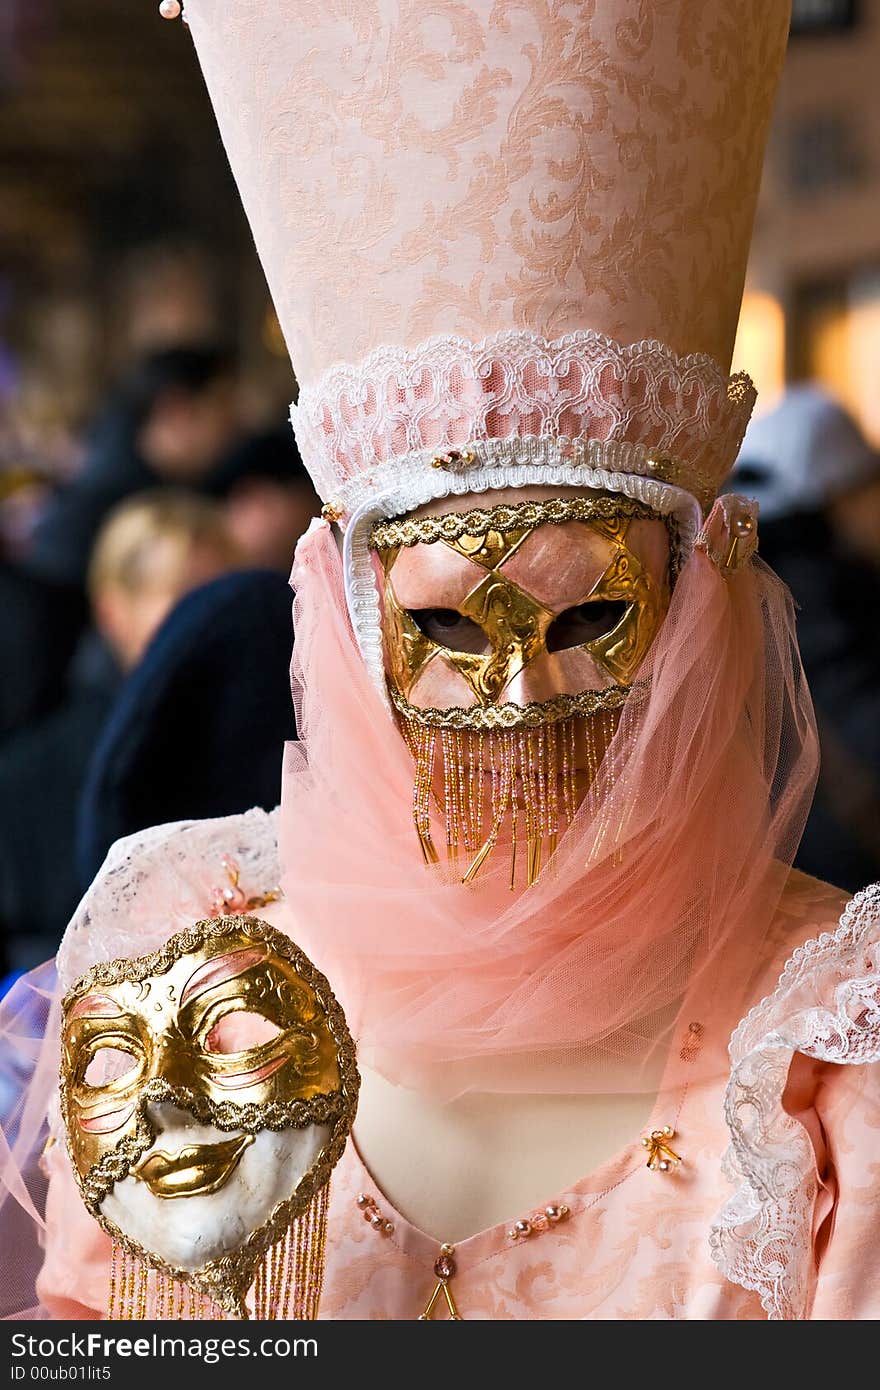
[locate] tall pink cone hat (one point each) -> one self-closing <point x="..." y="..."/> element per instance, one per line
<point x="506" y="242"/>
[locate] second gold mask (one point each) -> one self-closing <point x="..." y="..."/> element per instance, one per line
<point x="207" y="1091"/>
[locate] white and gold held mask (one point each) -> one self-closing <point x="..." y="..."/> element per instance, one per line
<point x="207" y="1092"/>
<point x="513" y="634"/>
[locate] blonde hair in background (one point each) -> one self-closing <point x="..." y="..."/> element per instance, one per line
<point x="126" y="552"/>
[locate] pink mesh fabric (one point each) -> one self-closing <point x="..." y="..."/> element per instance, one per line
<point x="30" y="1052"/>
<point x="663" y="887"/>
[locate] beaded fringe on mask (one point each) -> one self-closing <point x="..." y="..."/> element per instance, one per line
<point x="287" y="1283"/>
<point x="518" y="786"/>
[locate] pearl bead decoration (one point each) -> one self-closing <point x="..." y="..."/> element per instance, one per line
<point x="170" y="9"/>
<point x="539" y="1221"/>
<point x="372" y="1214"/>
<point x="661" y="1157"/>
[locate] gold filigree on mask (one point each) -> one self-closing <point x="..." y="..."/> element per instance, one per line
<point x="622" y="651"/>
<point x="407" y="646"/>
<point x="490" y="546"/>
<point x="516" y="626"/>
<point x="507" y="518"/>
<point x="165" y="1023"/>
<point x="495" y="718"/>
<point x="515" y="623"/>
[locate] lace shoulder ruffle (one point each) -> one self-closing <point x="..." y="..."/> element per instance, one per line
<point x="161" y="880"/>
<point x="827" y="1006"/>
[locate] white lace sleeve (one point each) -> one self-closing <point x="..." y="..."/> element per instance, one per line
<point x="161" y="880"/>
<point x="826" y="1006"/>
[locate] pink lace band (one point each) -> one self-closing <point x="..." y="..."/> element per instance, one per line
<point x="363" y="430"/>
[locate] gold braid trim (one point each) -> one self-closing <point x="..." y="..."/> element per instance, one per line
<point x="530" y="716"/>
<point x="511" y="517"/>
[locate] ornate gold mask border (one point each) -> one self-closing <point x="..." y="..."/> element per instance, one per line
<point x="451" y="526"/>
<point x="531" y="716"/>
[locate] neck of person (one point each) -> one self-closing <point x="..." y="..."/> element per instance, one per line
<point x="455" y="1168"/>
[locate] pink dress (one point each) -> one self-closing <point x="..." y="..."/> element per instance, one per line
<point x="786" y="1226"/>
<point x="633" y="1246"/>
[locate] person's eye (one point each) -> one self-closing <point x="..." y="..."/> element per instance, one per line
<point x="449" y="628"/>
<point x="239" y="1030"/>
<point x="585" y="623"/>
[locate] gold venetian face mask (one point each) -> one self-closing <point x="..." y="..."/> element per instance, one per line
<point x="494" y="610"/>
<point x="207" y="1091"/>
<point x="519" y="617"/>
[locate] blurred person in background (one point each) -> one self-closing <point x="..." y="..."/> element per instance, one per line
<point x="164" y="293"/>
<point x="817" y="481"/>
<point x="268" y="496"/>
<point x="151" y="551"/>
<point x="199" y="728"/>
<point x="173" y="417"/>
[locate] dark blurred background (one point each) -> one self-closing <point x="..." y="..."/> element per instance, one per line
<point x="151" y="493"/>
<point x="150" y="490"/>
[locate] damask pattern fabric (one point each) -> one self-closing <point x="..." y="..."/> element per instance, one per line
<point x="471" y="166"/>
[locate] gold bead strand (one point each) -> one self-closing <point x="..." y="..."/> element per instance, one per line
<point x="566" y="770"/>
<point x="458" y="739"/>
<point x="114" y="1276"/>
<point x="288" y="1274"/>
<point x="514" y="803"/>
<point x="528" y="782"/>
<point x="127" y="1273"/>
<point x="552" y="789"/>
<point x="423" y="745"/>
<point x="318" y="1248"/>
<point x="476" y="744"/>
<point x="449" y="803"/>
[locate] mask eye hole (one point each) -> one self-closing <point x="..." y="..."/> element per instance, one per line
<point x="585" y="623"/>
<point x="239" y="1030"/>
<point x="449" y="628"/>
<point x="108" y="1064"/>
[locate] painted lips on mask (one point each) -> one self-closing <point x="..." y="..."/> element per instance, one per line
<point x="192" y="1171"/>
